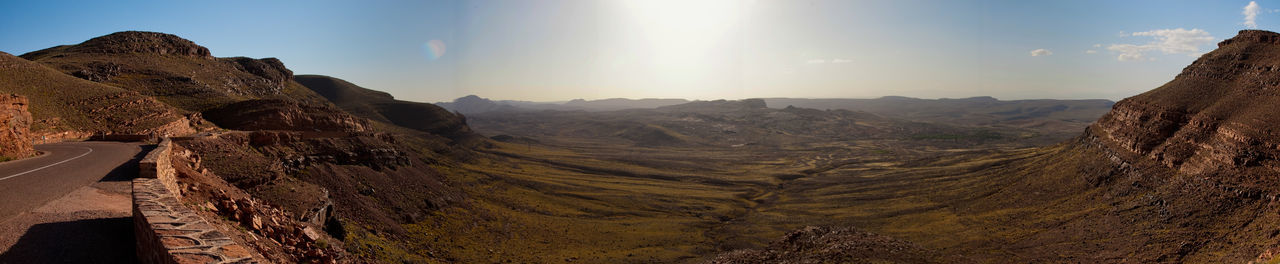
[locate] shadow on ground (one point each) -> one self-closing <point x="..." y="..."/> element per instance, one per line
<point x="129" y="169"/>
<point x="80" y="241"/>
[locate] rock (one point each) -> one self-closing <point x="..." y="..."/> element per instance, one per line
<point x="209" y="206"/>
<point x="15" y="127"/>
<point x="255" y="222"/>
<point x="235" y="251"/>
<point x="98" y="71"/>
<point x="268" y="68"/>
<point x="310" y="234"/>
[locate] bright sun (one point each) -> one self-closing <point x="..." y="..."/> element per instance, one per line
<point x="685" y="19"/>
<point x="680" y="43"/>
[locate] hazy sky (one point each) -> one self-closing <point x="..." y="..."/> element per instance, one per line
<point x="565" y="49"/>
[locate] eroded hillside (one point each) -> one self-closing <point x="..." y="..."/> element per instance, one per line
<point x="270" y="143"/>
<point x="62" y="103"/>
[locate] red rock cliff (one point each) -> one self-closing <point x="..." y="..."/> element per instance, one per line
<point x="15" y="123"/>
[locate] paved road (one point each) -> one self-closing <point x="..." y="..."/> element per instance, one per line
<point x="28" y="183"/>
<point x="69" y="206"/>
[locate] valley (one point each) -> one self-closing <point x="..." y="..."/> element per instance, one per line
<point x="564" y="186"/>
<point x="316" y="169"/>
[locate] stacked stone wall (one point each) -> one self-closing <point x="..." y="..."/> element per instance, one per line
<point x="168" y="231"/>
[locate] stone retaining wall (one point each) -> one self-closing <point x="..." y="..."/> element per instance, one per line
<point x="159" y="165"/>
<point x="169" y="232"/>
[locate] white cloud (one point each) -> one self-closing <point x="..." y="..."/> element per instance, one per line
<point x="1041" y="52"/>
<point x="1251" y="14"/>
<point x="1132" y="57"/>
<point x="1097" y="45"/>
<point x="1167" y="41"/>
<point x="824" y="61"/>
<point x="1090" y="51"/>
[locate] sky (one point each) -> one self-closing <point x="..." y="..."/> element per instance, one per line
<point x="557" y="50"/>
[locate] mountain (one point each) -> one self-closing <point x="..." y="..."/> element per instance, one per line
<point x="1055" y="119"/>
<point x="473" y="104"/>
<point x="60" y="102"/>
<point x="382" y="107"/>
<point x="614" y="104"/>
<point x="1044" y="115"/>
<point x="174" y="70"/>
<point x="725" y="123"/>
<point x="1191" y="165"/>
<point x="1217" y="118"/>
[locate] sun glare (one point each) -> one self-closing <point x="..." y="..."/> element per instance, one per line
<point x="685" y="20"/>
<point x="682" y="42"/>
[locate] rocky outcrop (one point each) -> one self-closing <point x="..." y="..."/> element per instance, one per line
<point x="98" y="71"/>
<point x="15" y="127"/>
<point x="270" y="69"/>
<point x="143" y="42"/>
<point x="280" y="235"/>
<point x="271" y="114"/>
<point x="296" y="239"/>
<point x="140" y="42"/>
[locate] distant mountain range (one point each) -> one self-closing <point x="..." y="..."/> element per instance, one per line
<point x="1043" y="115"/>
<point x="473" y="104"/>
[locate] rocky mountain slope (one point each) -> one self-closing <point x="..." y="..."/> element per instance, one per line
<point x="1217" y="118"/>
<point x="382" y="107"/>
<point x="1184" y="173"/>
<point x="60" y="102"/>
<point x="174" y="70"/>
<point x="1215" y="124"/>
<point x="362" y="176"/>
<point x="276" y="114"/>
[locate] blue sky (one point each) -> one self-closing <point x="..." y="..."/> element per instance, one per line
<point x="713" y="49"/>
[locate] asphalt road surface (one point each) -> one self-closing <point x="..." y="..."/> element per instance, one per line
<point x="70" y="205"/>
<point x="28" y="183"/>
